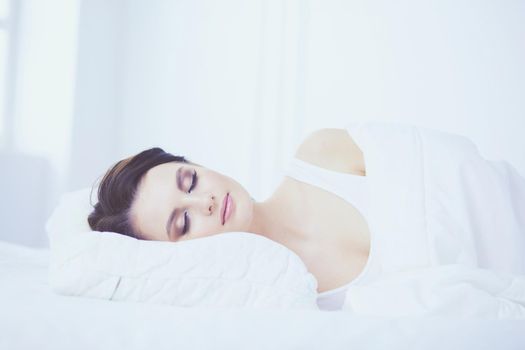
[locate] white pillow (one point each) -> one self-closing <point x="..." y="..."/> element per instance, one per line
<point x="235" y="269"/>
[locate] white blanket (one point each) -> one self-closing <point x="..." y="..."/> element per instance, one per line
<point x="33" y="317"/>
<point x="448" y="225"/>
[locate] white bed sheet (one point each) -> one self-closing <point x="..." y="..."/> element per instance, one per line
<point x="33" y="317"/>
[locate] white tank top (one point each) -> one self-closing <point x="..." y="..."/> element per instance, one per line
<point x="353" y="189"/>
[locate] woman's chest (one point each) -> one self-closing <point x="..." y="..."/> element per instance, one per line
<point x="338" y="243"/>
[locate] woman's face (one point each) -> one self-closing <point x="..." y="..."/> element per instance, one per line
<point x="180" y="201"/>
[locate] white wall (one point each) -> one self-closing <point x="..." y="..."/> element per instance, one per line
<point x="95" y="131"/>
<point x="189" y="83"/>
<point x="235" y="85"/>
<point x="212" y="81"/>
<point x="453" y="65"/>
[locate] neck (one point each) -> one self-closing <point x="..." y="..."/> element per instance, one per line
<point x="278" y="218"/>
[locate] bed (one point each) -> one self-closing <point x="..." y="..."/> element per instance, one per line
<point x="33" y="316"/>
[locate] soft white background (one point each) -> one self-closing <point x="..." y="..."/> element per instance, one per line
<point x="236" y="85"/>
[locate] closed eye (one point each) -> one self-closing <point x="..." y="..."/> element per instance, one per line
<point x="193" y="181"/>
<point x="186" y="218"/>
<point x="186" y="224"/>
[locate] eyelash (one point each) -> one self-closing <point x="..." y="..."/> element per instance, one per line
<point x="192" y="187"/>
<point x="185" y="229"/>
<point x="193" y="182"/>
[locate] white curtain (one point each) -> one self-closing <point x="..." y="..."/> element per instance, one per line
<point x="45" y="80"/>
<point x="35" y="158"/>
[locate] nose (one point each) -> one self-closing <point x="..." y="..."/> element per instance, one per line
<point x="204" y="203"/>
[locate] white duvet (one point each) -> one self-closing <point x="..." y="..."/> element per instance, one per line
<point x="448" y="227"/>
<point x="33" y="317"/>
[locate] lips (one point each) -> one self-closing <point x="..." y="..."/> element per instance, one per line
<point x="228" y="207"/>
<point x="223" y="209"/>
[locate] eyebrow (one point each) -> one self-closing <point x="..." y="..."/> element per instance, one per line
<point x="175" y="211"/>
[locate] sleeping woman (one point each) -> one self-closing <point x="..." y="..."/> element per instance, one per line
<point x="158" y="196"/>
<point x="320" y="209"/>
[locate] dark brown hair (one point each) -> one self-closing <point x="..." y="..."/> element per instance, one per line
<point x="118" y="187"/>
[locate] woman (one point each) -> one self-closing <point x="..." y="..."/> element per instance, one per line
<point x="437" y="208"/>
<point x="157" y="196"/>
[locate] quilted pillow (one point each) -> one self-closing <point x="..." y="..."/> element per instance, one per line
<point x="234" y="269"/>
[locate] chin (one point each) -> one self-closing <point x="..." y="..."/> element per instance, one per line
<point x="235" y="218"/>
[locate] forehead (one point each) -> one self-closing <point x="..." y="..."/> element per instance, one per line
<point x="157" y="180"/>
<point x="152" y="200"/>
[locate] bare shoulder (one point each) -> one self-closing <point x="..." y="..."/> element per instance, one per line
<point x="332" y="149"/>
